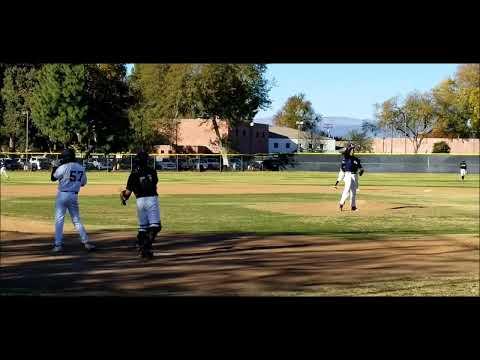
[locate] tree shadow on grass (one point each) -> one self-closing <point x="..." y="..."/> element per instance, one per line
<point x="221" y="264"/>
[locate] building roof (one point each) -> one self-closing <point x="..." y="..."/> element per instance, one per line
<point x="283" y="132"/>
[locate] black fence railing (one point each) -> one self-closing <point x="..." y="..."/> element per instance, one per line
<point x="245" y="162"/>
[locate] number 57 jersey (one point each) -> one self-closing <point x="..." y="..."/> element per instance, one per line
<point x="71" y="176"/>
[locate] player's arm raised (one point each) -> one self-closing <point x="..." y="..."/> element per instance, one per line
<point x="54" y="176"/>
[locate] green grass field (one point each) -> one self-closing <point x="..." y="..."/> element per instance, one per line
<point x="446" y="210"/>
<point x="424" y="207"/>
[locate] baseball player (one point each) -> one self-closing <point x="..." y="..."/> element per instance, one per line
<point x="352" y="167"/>
<point x="341" y="173"/>
<point x="143" y="183"/>
<point x="341" y="176"/>
<point x="463" y="169"/>
<point x="71" y="176"/>
<point x="3" y="169"/>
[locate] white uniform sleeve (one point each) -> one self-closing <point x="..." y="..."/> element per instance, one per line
<point x="59" y="172"/>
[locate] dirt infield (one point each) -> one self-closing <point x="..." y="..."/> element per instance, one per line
<point x="366" y="208"/>
<point x="230" y="264"/>
<point x="11" y="191"/>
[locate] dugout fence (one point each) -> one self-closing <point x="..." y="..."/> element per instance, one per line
<point x="424" y="163"/>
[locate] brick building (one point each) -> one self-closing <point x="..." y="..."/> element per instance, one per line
<point x="198" y="136"/>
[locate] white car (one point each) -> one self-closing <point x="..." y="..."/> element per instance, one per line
<point x="37" y="161"/>
<point x="101" y="165"/>
<point x="166" y="165"/>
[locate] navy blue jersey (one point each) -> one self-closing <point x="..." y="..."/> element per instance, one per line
<point x="342" y="165"/>
<point x="143" y="182"/>
<point x="463" y="165"/>
<point x="352" y="164"/>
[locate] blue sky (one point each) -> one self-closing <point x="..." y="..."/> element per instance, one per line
<point x="350" y="90"/>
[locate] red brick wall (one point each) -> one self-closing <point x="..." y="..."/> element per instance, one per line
<point x="457" y="146"/>
<point x="195" y="132"/>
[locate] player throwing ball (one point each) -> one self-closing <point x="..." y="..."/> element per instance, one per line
<point x="71" y="176"/>
<point x="143" y="183"/>
<point x="352" y="167"/>
<point x="463" y="169"/>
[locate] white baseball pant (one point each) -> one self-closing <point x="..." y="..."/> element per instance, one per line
<point x="148" y="212"/>
<point x="68" y="201"/>
<point x="350" y="189"/>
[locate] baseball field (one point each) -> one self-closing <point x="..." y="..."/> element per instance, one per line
<point x="252" y="233"/>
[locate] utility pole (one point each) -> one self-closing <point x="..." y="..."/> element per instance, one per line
<point x="299" y="123"/>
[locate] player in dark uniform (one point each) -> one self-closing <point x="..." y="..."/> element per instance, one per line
<point x="463" y="169"/>
<point x="143" y="183"/>
<point x="341" y="173"/>
<point x="352" y="168"/>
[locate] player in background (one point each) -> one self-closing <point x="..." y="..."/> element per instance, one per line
<point x="352" y="168"/>
<point x="3" y="169"/>
<point x="463" y="169"/>
<point x="71" y="176"/>
<point x="341" y="175"/>
<point x="143" y="183"/>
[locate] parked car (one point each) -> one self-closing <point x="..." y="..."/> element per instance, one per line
<point x="198" y="164"/>
<point x="166" y="164"/>
<point x="102" y="165"/>
<point x="237" y="164"/>
<point x="38" y="162"/>
<point x="212" y="163"/>
<point x="266" y="164"/>
<point x="11" y="164"/>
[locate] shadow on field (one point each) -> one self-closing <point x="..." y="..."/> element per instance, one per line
<point x="224" y="264"/>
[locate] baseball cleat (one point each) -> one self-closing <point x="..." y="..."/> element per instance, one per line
<point x="57" y="248"/>
<point x="89" y="246"/>
<point x="340" y="207"/>
<point x="146" y="254"/>
<point x="354" y="208"/>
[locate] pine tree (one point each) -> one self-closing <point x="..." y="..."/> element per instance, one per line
<point x="59" y="103"/>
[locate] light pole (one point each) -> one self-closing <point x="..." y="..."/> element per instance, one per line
<point x="252" y="124"/>
<point x="25" y="112"/>
<point x="299" y="123"/>
<point x="405" y="135"/>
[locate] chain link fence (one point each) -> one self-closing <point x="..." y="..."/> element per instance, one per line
<point x="245" y="162"/>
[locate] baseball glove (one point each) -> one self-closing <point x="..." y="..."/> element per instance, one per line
<point x="123" y="198"/>
<point x="361" y="172"/>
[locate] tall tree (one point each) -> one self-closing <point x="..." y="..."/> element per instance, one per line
<point x="457" y="102"/>
<point x="18" y="84"/>
<point x="414" y="118"/>
<point x="361" y="140"/>
<point x="147" y="84"/>
<point x="59" y="104"/>
<point x="297" y="109"/>
<point x="230" y="92"/>
<point x="108" y="103"/>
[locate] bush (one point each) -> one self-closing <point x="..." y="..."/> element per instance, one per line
<point x="441" y="147"/>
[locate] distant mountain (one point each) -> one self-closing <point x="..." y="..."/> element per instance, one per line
<point x="342" y="125"/>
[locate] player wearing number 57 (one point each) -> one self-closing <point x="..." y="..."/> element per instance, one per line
<point x="71" y="176"/>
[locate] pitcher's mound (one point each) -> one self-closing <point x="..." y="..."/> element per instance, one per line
<point x="364" y="207"/>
